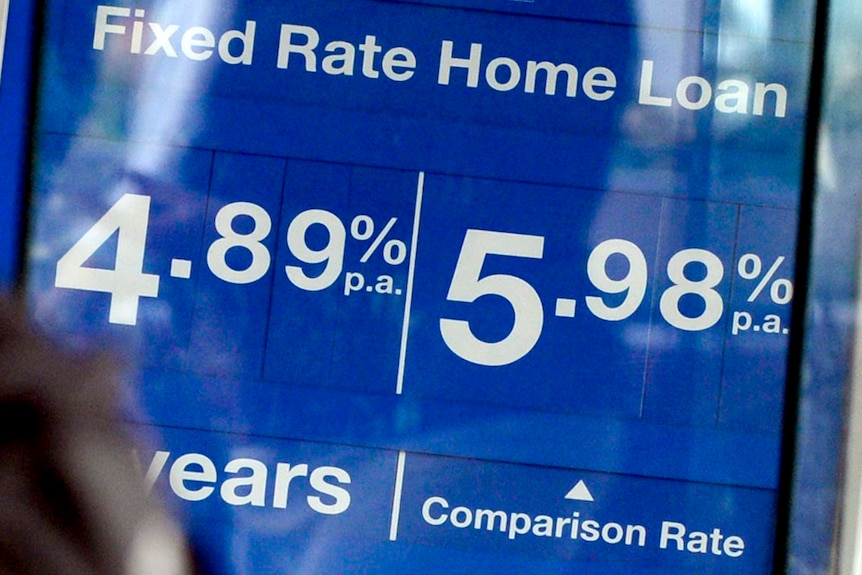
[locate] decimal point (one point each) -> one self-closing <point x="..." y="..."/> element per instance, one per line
<point x="181" y="269"/>
<point x="565" y="307"/>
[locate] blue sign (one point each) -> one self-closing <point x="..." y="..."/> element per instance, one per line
<point x="434" y="284"/>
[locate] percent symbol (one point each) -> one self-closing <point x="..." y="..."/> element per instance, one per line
<point x="394" y="251"/>
<point x="750" y="267"/>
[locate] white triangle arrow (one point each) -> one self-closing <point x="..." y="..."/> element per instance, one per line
<point x="579" y="492"/>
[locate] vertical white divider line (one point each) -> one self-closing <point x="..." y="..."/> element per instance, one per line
<point x="408" y="299"/>
<point x="396" y="499"/>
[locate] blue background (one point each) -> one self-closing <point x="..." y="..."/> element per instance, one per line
<point x="15" y="103"/>
<point x="266" y="363"/>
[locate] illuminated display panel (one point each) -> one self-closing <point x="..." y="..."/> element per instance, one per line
<point x="491" y="284"/>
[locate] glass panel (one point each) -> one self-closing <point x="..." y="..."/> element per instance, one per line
<point x="497" y="285"/>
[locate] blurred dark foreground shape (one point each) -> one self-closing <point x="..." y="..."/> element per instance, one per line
<point x="71" y="495"/>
